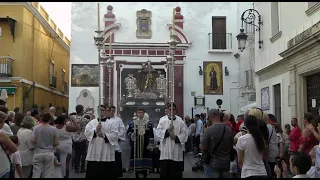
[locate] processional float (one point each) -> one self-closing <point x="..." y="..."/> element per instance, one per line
<point x="141" y="126"/>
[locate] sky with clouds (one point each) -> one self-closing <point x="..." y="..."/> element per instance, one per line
<point x="60" y="13"/>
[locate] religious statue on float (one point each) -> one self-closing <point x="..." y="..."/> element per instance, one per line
<point x="131" y="85"/>
<point x="140" y="131"/>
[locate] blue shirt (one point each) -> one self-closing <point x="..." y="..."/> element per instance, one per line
<point x="199" y="127"/>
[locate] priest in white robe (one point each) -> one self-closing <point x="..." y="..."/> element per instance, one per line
<point x="122" y="137"/>
<point x="103" y="137"/>
<point x="172" y="142"/>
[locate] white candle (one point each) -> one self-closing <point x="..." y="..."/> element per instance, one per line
<point x="98" y="16"/>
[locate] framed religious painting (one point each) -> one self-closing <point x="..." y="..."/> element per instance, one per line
<point x="213" y="78"/>
<point x="84" y="75"/>
<point x="144" y="24"/>
<point x="265" y="99"/>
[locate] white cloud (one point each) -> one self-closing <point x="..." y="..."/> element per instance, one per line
<point x="60" y="13"/>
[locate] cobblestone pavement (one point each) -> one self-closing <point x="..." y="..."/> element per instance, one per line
<point x="188" y="163"/>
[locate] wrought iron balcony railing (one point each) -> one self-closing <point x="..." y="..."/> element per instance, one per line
<point x="6" y="66"/>
<point x="220" y="41"/>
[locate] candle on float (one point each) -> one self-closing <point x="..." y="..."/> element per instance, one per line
<point x="110" y="43"/>
<point x="98" y="16"/>
<point x="173" y="19"/>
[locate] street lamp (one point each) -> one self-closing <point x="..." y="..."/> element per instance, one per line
<point x="250" y="19"/>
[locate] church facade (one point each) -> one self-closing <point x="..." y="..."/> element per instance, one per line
<point x="136" y="35"/>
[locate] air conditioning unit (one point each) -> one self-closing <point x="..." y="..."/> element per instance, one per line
<point x="249" y="79"/>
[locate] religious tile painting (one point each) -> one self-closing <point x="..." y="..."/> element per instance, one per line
<point x="265" y="99"/>
<point x="144" y="24"/>
<point x="212" y="78"/>
<point x="85" y="75"/>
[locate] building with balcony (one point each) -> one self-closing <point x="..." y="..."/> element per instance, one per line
<point x="206" y="68"/>
<point x="34" y="58"/>
<point x="288" y="64"/>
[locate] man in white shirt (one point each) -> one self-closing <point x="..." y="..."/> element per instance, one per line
<point x="103" y="138"/>
<point x="121" y="136"/>
<point x="172" y="134"/>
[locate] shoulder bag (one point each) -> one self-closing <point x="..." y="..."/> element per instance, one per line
<point x="209" y="154"/>
<point x="12" y="167"/>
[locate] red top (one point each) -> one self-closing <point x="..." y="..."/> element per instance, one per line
<point x="308" y="142"/>
<point x="238" y="125"/>
<point x="294" y="138"/>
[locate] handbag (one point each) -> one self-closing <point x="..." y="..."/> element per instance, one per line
<point x="207" y="156"/>
<point x="12" y="167"/>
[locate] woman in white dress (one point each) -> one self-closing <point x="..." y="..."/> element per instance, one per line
<point x="26" y="146"/>
<point x="65" y="142"/>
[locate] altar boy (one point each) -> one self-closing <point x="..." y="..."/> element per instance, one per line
<point x="103" y="137"/>
<point x="172" y="140"/>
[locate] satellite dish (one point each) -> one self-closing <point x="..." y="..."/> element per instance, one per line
<point x="4" y="95"/>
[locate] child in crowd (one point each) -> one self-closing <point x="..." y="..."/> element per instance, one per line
<point x="16" y="158"/>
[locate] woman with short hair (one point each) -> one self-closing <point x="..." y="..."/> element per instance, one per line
<point x="26" y="146"/>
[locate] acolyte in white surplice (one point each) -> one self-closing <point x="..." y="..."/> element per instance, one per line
<point x="121" y="132"/>
<point x="170" y="150"/>
<point x="98" y="149"/>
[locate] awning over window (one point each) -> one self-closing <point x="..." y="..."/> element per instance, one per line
<point x="11" y="22"/>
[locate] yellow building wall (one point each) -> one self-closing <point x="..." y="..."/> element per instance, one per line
<point x="7" y="46"/>
<point x="43" y="48"/>
<point x="33" y="50"/>
<point x="44" y="97"/>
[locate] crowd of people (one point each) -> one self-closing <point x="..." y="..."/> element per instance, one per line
<point x="46" y="145"/>
<point x="254" y="145"/>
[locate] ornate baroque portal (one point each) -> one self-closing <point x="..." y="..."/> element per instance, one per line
<point x="146" y="88"/>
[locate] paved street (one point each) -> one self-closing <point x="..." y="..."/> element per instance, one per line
<point x="188" y="163"/>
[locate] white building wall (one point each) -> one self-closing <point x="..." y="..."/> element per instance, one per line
<point x="197" y="24"/>
<point x="293" y="20"/>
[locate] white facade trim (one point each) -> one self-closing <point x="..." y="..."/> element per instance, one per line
<point x="182" y="32"/>
<point x="45" y="23"/>
<point x="109" y="19"/>
<point x="20" y="79"/>
<point x="124" y="45"/>
<point x="106" y="29"/>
